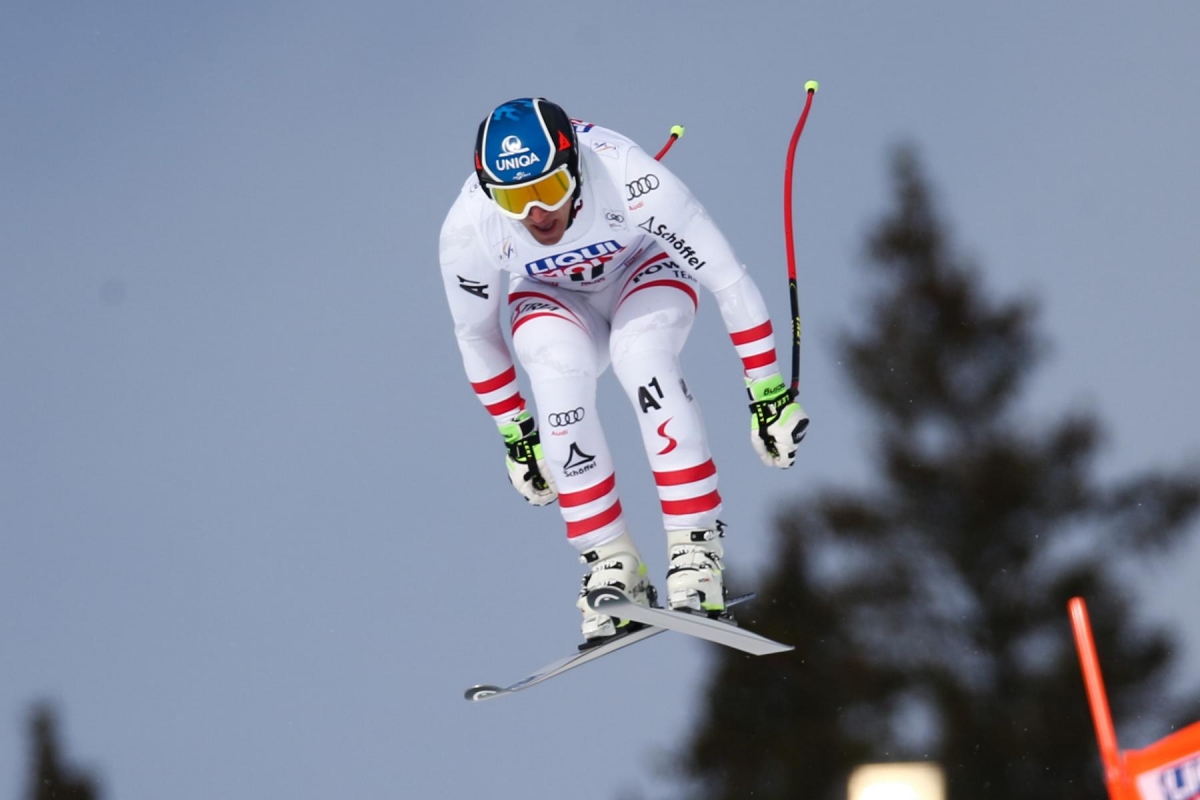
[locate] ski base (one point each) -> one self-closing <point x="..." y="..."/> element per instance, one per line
<point x="585" y="654"/>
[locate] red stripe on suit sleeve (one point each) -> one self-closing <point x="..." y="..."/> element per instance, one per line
<point x="752" y="334"/>
<point x="760" y="360"/>
<point x="507" y="406"/>
<point x="492" y="384"/>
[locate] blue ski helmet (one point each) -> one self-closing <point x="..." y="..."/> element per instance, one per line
<point x="523" y="139"/>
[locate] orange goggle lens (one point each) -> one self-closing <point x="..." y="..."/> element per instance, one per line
<point x="548" y="192"/>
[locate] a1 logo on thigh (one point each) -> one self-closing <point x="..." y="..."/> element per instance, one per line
<point x="648" y="399"/>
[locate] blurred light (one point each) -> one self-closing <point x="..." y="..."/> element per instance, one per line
<point x="912" y="781"/>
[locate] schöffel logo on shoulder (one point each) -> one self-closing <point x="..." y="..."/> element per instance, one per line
<point x="1177" y="782"/>
<point x="686" y="253"/>
<point x="592" y="255"/>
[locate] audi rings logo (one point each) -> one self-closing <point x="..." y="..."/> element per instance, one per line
<point x="561" y="419"/>
<point x="643" y="185"/>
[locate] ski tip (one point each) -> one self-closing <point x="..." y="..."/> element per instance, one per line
<point x="482" y="692"/>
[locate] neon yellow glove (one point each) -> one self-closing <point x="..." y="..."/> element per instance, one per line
<point x="527" y="470"/>
<point x="777" y="422"/>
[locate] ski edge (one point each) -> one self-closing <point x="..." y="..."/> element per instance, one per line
<point x="488" y="691"/>
<point x="485" y="691"/>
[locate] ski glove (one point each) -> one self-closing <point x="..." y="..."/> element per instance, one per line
<point x="777" y="422"/>
<point x="526" y="464"/>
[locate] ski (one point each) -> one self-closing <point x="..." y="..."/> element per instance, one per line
<point x="612" y="601"/>
<point x="487" y="691"/>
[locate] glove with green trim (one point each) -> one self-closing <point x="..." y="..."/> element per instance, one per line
<point x="777" y="422"/>
<point x="526" y="464"/>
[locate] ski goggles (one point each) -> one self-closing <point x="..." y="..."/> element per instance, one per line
<point x="548" y="192"/>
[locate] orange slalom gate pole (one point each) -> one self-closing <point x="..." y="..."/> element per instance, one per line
<point x="1106" y="735"/>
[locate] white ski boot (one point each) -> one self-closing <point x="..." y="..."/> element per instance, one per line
<point x="694" y="577"/>
<point x="616" y="563"/>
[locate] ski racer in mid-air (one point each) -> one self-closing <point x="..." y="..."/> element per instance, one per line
<point x="605" y="251"/>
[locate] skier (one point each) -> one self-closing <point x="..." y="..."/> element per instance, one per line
<point x="605" y="248"/>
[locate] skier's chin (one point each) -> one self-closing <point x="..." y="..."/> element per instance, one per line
<point x="547" y="227"/>
<point x="547" y="236"/>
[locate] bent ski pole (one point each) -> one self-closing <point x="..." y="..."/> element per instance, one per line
<point x="811" y="89"/>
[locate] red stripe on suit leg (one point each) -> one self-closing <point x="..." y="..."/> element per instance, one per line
<point x="593" y="523"/>
<point x="693" y="505"/>
<point x="677" y="477"/>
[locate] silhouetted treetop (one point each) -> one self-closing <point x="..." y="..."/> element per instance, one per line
<point x="928" y="609"/>
<point x="50" y="778"/>
<point x="932" y="333"/>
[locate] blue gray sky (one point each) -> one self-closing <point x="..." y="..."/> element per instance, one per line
<point x="255" y="531"/>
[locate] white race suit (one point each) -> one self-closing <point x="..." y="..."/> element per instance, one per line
<point x="619" y="288"/>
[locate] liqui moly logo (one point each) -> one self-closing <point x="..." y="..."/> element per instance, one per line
<point x="1179" y="781"/>
<point x="593" y="255"/>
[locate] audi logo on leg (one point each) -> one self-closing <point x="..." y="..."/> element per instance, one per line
<point x="561" y="419"/>
<point x="643" y="185"/>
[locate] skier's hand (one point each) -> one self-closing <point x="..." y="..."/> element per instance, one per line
<point x="777" y="422"/>
<point x="526" y="465"/>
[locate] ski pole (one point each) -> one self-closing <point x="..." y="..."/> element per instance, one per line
<point x="811" y="89"/>
<point x="676" y="132"/>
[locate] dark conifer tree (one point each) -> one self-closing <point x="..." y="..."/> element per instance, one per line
<point x="929" y="610"/>
<point x="50" y="777"/>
